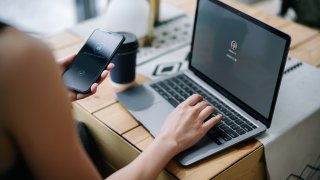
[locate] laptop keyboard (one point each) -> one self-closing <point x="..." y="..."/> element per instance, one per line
<point x="176" y="89"/>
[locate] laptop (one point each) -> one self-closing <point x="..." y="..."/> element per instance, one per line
<point x="236" y="65"/>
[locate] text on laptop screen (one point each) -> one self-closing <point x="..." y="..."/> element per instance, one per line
<point x="238" y="55"/>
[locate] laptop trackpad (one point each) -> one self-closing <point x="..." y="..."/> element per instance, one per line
<point x="154" y="117"/>
<point x="137" y="98"/>
<point x="146" y="106"/>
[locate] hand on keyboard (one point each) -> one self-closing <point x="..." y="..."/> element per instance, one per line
<point x="185" y="125"/>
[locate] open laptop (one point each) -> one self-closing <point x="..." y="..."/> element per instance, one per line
<point x="236" y="64"/>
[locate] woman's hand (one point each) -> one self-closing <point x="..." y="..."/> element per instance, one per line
<point x="185" y="125"/>
<point x="76" y="96"/>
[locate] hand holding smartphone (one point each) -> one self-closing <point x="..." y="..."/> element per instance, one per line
<point x="92" y="60"/>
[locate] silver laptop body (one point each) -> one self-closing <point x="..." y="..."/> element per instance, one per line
<point x="246" y="82"/>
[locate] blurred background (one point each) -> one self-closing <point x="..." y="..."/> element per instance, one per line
<point x="46" y="17"/>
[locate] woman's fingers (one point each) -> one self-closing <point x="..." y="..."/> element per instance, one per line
<point x="104" y="75"/>
<point x="110" y="67"/>
<point x="81" y="96"/>
<point x="200" y="106"/>
<point x="94" y="88"/>
<point x="208" y="110"/>
<point x="72" y="96"/>
<point x="193" y="100"/>
<point x="211" y="122"/>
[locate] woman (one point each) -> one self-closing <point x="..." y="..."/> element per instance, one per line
<point x="37" y="134"/>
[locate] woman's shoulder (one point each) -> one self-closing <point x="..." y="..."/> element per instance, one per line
<point x="18" y="50"/>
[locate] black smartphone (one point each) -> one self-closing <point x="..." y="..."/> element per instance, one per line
<point x="91" y="60"/>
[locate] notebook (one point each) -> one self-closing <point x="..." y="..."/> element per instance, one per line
<point x="236" y="64"/>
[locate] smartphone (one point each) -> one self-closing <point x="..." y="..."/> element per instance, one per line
<point x="92" y="60"/>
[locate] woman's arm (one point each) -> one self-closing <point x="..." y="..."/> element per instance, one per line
<point x="39" y="113"/>
<point x="40" y="121"/>
<point x="182" y="128"/>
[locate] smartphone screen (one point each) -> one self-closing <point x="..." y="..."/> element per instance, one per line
<point x="91" y="60"/>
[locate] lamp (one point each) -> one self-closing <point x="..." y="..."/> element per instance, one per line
<point x="135" y="16"/>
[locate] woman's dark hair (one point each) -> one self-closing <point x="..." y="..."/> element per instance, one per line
<point x="2" y="25"/>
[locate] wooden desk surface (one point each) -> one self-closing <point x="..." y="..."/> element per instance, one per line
<point x="118" y="134"/>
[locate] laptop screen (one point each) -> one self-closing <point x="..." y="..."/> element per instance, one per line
<point x="238" y="55"/>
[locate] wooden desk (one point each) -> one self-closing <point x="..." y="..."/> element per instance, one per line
<point x="121" y="138"/>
